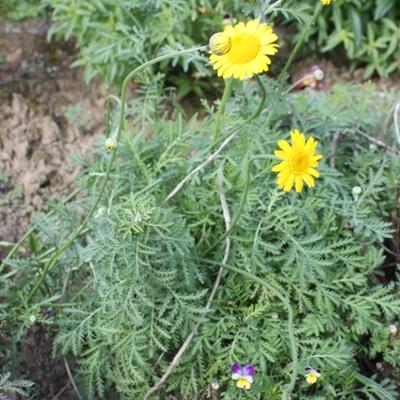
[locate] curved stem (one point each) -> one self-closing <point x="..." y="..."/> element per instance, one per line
<point x="31" y="230"/>
<point x="78" y="231"/>
<point x="224" y="143"/>
<point x="242" y="200"/>
<point x="302" y="79"/>
<point x="225" y="97"/>
<point x="293" y="343"/>
<point x="299" y="43"/>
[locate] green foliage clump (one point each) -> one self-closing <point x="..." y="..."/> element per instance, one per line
<point x="8" y="387"/>
<point x="20" y="9"/>
<point x="368" y="31"/>
<point x="306" y="266"/>
<point x="115" y="36"/>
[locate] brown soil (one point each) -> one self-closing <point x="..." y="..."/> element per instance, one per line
<point x="47" y="115"/>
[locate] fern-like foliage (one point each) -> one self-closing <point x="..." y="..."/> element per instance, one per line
<point x="136" y="282"/>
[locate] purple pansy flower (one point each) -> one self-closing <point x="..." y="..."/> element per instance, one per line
<point x="243" y="375"/>
<point x="312" y="374"/>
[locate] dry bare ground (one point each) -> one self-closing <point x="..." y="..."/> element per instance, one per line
<point x="47" y="115"/>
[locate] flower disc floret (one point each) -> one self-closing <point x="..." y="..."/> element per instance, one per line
<point x="243" y="50"/>
<point x="298" y="162"/>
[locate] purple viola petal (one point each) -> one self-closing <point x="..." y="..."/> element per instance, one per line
<point x="249" y="370"/>
<point x="308" y="369"/>
<point x="318" y="371"/>
<point x="236" y="369"/>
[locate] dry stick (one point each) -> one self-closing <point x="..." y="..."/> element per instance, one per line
<point x="60" y="392"/>
<point x="332" y="153"/>
<point x="179" y="354"/>
<point x="71" y="378"/>
<point x="201" y="166"/>
<point x="377" y="141"/>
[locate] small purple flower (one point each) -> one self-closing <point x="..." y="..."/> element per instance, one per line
<point x="48" y="312"/>
<point x="243" y="375"/>
<point x="312" y="374"/>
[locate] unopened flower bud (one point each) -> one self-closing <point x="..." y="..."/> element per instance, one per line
<point x="318" y="75"/>
<point x="220" y="43"/>
<point x="32" y="319"/>
<point x="110" y="144"/>
<point x="393" y="329"/>
<point x="138" y="218"/>
<point x="227" y="19"/>
<point x="356" y="191"/>
<point x="274" y="316"/>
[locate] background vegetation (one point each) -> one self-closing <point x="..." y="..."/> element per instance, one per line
<point x="316" y="279"/>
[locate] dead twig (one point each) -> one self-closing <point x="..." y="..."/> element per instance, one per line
<point x="61" y="392"/>
<point x="179" y="354"/>
<point x="71" y="378"/>
<point x="332" y="153"/>
<point x="377" y="141"/>
<point x="189" y="176"/>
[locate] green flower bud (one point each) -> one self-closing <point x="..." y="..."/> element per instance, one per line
<point x="110" y="144"/>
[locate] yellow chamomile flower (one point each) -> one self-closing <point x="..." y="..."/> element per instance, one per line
<point x="299" y="161"/>
<point x="243" y="50"/>
<point x="326" y="2"/>
<point x="312" y="374"/>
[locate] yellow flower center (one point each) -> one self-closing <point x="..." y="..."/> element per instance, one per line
<point x="299" y="163"/>
<point x="245" y="48"/>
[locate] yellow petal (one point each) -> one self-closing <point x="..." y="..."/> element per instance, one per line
<point x="309" y="180"/>
<point x="281" y="154"/>
<point x="317" y="157"/>
<point x="299" y="184"/>
<point x="284" y="145"/>
<point x="313" y="172"/>
<point x="298" y="138"/>
<point x="311" y="378"/>
<point x="310" y="145"/>
<point x="280" y="167"/>
<point x="289" y="183"/>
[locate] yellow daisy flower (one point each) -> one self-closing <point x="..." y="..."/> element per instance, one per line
<point x="326" y="2"/>
<point x="243" y="50"/>
<point x="299" y="160"/>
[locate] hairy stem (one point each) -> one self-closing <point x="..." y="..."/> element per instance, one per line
<point x="242" y="200"/>
<point x="299" y="43"/>
<point x="221" y="109"/>
<point x="31" y="230"/>
<point x="117" y="137"/>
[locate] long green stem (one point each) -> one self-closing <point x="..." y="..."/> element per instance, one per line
<point x="300" y="42"/>
<point x="78" y="231"/>
<point x="293" y="343"/>
<point x="242" y="200"/>
<point x="31" y="230"/>
<point x="221" y="109"/>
